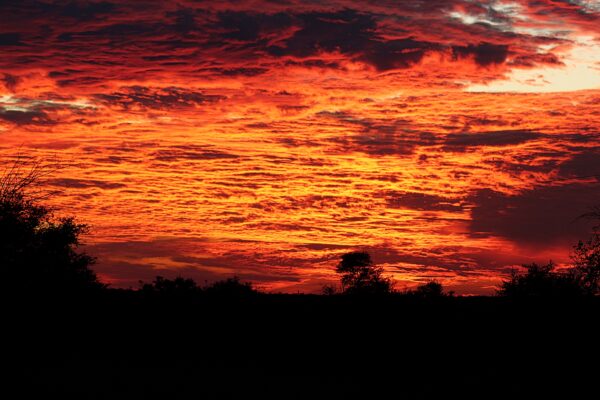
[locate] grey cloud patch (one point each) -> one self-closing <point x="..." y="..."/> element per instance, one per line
<point x="324" y="246"/>
<point x="386" y="140"/>
<point x="352" y="33"/>
<point x="292" y="109"/>
<point x="247" y="26"/>
<point x="157" y="98"/>
<point x="10" y="39"/>
<point x="84" y="183"/>
<point x="462" y="141"/>
<point x="239" y="71"/>
<point x="485" y="54"/>
<point x="117" y="33"/>
<point x="533" y="163"/>
<point x="419" y="201"/>
<point x="532" y="60"/>
<point x="397" y="54"/>
<point x="540" y="216"/>
<point x="28" y="111"/>
<point x="347" y="31"/>
<point x="379" y="137"/>
<point x="185" y="20"/>
<point x="54" y="145"/>
<point x="314" y="63"/>
<point x="191" y="152"/>
<point x="27" y="117"/>
<point x="10" y="81"/>
<point x="81" y="11"/>
<point x="582" y="165"/>
<point x="81" y="81"/>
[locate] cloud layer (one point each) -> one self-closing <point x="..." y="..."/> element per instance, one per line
<point x="266" y="138"/>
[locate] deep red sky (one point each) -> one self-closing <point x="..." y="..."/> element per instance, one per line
<point x="450" y="139"/>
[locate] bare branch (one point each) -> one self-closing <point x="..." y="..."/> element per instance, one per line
<point x="25" y="178"/>
<point x="593" y="214"/>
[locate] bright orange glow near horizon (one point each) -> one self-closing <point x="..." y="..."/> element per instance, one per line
<point x="452" y="140"/>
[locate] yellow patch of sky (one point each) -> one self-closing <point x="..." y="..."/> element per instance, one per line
<point x="581" y="71"/>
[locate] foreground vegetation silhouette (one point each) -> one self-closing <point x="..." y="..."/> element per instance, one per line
<point x="581" y="279"/>
<point x="188" y="288"/>
<point x="39" y="253"/>
<point x="360" y="276"/>
<point x="70" y="336"/>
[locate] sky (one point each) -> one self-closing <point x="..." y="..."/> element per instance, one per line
<point x="453" y="140"/>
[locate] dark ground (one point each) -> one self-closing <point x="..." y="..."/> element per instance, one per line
<point x="121" y="345"/>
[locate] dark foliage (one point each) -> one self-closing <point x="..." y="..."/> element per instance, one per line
<point x="39" y="253"/>
<point x="586" y="264"/>
<point x="582" y="279"/>
<point x="186" y="288"/>
<point x="541" y="281"/>
<point x="230" y="287"/>
<point x="226" y="341"/>
<point x="430" y="290"/>
<point x="122" y="346"/>
<point x="361" y="276"/>
<point x="170" y="287"/>
<point x="328" y="290"/>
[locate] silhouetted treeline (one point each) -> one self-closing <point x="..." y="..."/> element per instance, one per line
<point x="128" y="344"/>
<point x="39" y="255"/>
<point x="582" y="278"/>
<point x="68" y="336"/>
<point x="187" y="289"/>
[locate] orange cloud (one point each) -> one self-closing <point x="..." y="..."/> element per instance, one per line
<point x="213" y="139"/>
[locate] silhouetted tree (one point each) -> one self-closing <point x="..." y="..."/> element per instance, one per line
<point x="361" y="276"/>
<point x="594" y="215"/>
<point x="541" y="281"/>
<point x="586" y="264"/>
<point x="39" y="253"/>
<point x="328" y="290"/>
<point x="170" y="287"/>
<point x="230" y="287"/>
<point x="430" y="290"/>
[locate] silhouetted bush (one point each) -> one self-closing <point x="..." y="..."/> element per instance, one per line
<point x="586" y="264"/>
<point x="360" y="276"/>
<point x="39" y="253"/>
<point x="542" y="281"/>
<point x="430" y="290"/>
<point x="328" y="290"/>
<point x="170" y="287"/>
<point x="230" y="287"/>
<point x="186" y="289"/>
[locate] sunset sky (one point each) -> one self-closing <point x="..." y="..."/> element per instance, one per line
<point x="452" y="140"/>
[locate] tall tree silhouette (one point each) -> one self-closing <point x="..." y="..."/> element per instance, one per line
<point x="360" y="276"/>
<point x="38" y="252"/>
<point x="586" y="263"/>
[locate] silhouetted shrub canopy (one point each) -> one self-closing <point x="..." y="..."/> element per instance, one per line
<point x="186" y="288"/>
<point x="38" y="253"/>
<point x="361" y="276"/>
<point x="542" y="281"/>
<point x="176" y="287"/>
<point x="586" y="264"/>
<point x="230" y="287"/>
<point x="429" y="290"/>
